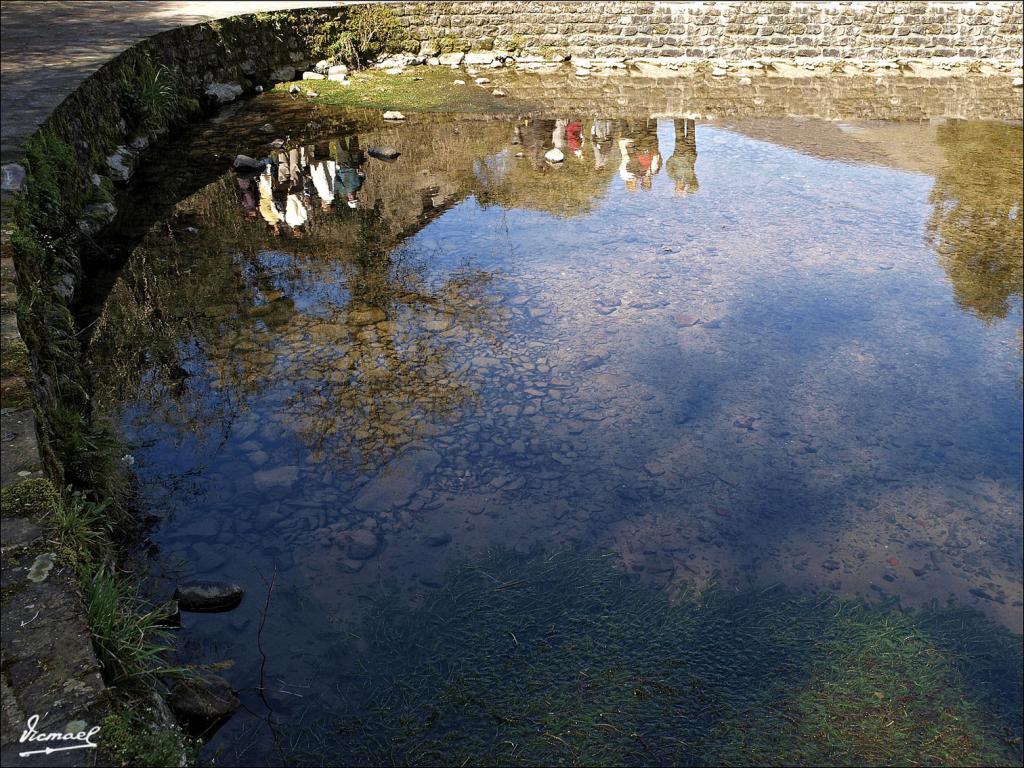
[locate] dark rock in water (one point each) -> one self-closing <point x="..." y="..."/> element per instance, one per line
<point x="439" y="540"/>
<point x="208" y="596"/>
<point x="247" y="163"/>
<point x="361" y="544"/>
<point x="383" y="153"/>
<point x="685" y="321"/>
<point x="592" y="361"/>
<point x="202" y="702"/>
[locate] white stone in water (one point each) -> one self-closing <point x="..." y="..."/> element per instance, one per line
<point x="718" y="72"/>
<point x="479" y="57"/>
<point x="312" y="76"/>
<point x="582" y="73"/>
<point x="745" y="81"/>
<point x="451" y="59"/>
<point x="481" y="81"/>
<point x="338" y="77"/>
<point x="258" y="89"/>
<point x="458" y="82"/>
<point x="393" y="115"/>
<point x="311" y="94"/>
<point x="498" y="92"/>
<point x="554" y="155"/>
<point x="1018" y="82"/>
<point x="394" y="71"/>
<point x="294" y="89"/>
<point x="337" y="69"/>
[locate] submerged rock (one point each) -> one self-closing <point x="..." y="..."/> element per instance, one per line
<point x="393" y="115"/>
<point x="203" y="702"/>
<point x="368" y="316"/>
<point x="312" y="76"/>
<point x="438" y="540"/>
<point x="361" y="544"/>
<point x="383" y="153"/>
<point x="208" y="596"/>
<point x="554" y="155"/>
<point x="395" y="484"/>
<point x="280" y="477"/>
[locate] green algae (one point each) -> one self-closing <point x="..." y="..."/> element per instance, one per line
<point x="561" y="660"/>
<point x="424" y="89"/>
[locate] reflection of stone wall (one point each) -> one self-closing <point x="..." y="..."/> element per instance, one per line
<point x="733" y="30"/>
<point x="838" y="97"/>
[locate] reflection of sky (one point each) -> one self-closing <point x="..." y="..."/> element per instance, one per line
<point x="790" y="238"/>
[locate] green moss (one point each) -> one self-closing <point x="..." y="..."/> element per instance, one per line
<point x="361" y="34"/>
<point x="126" y="739"/>
<point x="54" y="188"/>
<point x="15" y="376"/>
<point x="36" y="498"/>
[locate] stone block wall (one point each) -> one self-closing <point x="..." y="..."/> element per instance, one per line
<point x="730" y="30"/>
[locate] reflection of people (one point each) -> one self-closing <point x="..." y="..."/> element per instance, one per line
<point x="295" y="213"/>
<point x="348" y="176"/>
<point x="322" y="173"/>
<point x="601" y="141"/>
<point x="535" y="136"/>
<point x="640" y="158"/>
<point x="269" y="208"/>
<point x="574" y="137"/>
<point x="248" y="188"/>
<point x="681" y="167"/>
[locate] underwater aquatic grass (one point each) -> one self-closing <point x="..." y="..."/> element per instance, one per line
<point x="560" y="659"/>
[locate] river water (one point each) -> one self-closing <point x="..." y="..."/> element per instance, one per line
<point x="748" y="351"/>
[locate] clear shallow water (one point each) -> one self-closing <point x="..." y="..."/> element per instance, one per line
<point x="803" y="370"/>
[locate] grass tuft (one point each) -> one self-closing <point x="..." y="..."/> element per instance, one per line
<point x="129" y="636"/>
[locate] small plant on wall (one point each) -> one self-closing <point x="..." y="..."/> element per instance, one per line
<point x="367" y="31"/>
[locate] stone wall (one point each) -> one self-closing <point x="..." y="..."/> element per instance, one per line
<point x="730" y="30"/>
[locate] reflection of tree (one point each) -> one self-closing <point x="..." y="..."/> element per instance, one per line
<point x="976" y="223"/>
<point x="347" y="324"/>
<point x="386" y="365"/>
<point x="572" y="188"/>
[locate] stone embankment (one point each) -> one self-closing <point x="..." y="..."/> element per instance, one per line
<point x="733" y="31"/>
